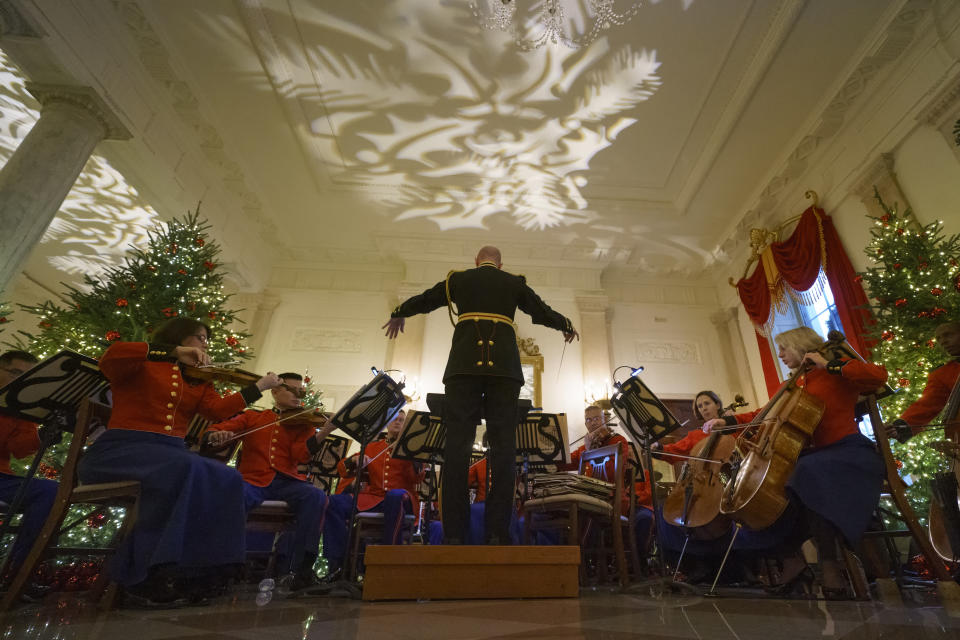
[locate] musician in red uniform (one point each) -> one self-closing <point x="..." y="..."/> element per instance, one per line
<point x="940" y="382"/>
<point x="191" y="516"/>
<point x="19" y="439"/>
<point x="706" y="406"/>
<point x="390" y="488"/>
<point x="268" y="463"/>
<point x="836" y="482"/>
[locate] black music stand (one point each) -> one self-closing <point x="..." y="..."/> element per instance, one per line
<point x="422" y="440"/>
<point x="49" y="393"/>
<point x="362" y="418"/>
<point x="646" y="420"/>
<point x="540" y="442"/>
<point x="322" y="466"/>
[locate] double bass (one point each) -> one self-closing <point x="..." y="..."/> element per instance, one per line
<point x="694" y="501"/>
<point x="767" y="450"/>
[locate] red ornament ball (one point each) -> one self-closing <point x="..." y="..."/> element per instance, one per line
<point x="306" y="380"/>
<point x="923" y="314"/>
<point x="931" y="343"/>
<point x="209" y="265"/>
<point x="212" y="315"/>
<point x="900" y="302"/>
<point x="900" y="231"/>
<point x="182" y="272"/>
<point x="922" y="266"/>
<point x="122" y="302"/>
<point x="936" y="291"/>
<point x="3" y="319"/>
<point x="113" y="335"/>
<point x="887" y="335"/>
<point x="150" y="267"/>
<point x="199" y="241"/>
<point x="885" y="218"/>
<point x="173" y="248"/>
<point x="858" y="278"/>
<point x="231" y="341"/>
<point x="169" y="312"/>
<point x="897" y="265"/>
<point x="903" y="382"/>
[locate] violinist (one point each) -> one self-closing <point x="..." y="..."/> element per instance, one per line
<point x="835" y="486"/>
<point x="190" y="526"/>
<point x="268" y="464"/>
<point x="19" y="439"/>
<point x="940" y="382"/>
<point x="387" y="485"/>
<point x="706" y="406"/>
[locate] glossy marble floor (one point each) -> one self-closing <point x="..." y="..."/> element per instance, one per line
<point x="594" y="616"/>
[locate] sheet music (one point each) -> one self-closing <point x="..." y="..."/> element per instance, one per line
<point x="60" y="382"/>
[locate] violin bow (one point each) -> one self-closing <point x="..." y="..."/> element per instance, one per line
<point x="238" y="436"/>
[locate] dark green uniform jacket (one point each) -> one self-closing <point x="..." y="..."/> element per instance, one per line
<point x="484" y="347"/>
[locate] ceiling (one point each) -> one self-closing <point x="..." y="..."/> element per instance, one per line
<point x="392" y="130"/>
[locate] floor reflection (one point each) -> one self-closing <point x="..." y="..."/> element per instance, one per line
<point x="594" y="616"/>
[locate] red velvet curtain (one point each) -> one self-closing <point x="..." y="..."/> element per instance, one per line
<point x="798" y="259"/>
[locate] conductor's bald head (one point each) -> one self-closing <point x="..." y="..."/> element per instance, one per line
<point x="489" y="254"/>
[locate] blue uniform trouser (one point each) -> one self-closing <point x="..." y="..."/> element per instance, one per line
<point x="308" y="503"/>
<point x="36" y="507"/>
<point x="395" y="504"/>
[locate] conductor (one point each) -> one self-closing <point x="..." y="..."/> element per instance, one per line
<point x="483" y="371"/>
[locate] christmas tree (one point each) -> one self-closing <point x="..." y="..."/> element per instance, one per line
<point x="915" y="286"/>
<point x="176" y="274"/>
<point x="4" y="315"/>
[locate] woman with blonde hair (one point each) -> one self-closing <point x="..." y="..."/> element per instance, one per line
<point x="835" y="486"/>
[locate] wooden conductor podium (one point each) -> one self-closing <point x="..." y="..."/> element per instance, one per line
<point x="411" y="572"/>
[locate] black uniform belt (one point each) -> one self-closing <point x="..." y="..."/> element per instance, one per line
<point x="477" y="316"/>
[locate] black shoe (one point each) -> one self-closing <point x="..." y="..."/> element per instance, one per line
<point x="133" y="600"/>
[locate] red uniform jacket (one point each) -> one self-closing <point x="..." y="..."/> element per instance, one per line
<point x="683" y="446"/>
<point x="642" y="489"/>
<point x="931" y="402"/>
<point x="477" y="477"/>
<point x="384" y="474"/>
<point x="839" y="394"/>
<point x="347" y="475"/>
<point x="18" y="438"/>
<point x="151" y="395"/>
<point x="271" y="449"/>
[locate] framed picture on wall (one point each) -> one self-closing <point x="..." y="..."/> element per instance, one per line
<point x="532" y="390"/>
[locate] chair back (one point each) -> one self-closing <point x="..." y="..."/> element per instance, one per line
<point x="598" y="458"/>
<point x="91" y="415"/>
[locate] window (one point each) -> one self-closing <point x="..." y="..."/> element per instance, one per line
<point x="821" y="316"/>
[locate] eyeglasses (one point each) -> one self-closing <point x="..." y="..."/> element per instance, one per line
<point x="202" y="337"/>
<point x="593" y="419"/>
<point x="299" y="392"/>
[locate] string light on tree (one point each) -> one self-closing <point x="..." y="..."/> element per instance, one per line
<point x="909" y="300"/>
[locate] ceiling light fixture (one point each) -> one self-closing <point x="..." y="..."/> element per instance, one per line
<point x="574" y="23"/>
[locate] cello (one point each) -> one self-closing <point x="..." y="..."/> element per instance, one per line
<point x="943" y="518"/>
<point x="767" y="450"/>
<point x="694" y="501"/>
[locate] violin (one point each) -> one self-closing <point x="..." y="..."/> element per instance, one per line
<point x="215" y="373"/>
<point x="737" y="403"/>
<point x="292" y="418"/>
<point x="598" y="438"/>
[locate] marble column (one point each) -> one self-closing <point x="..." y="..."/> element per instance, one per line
<point x="40" y="173"/>
<point x="594" y="338"/>
<point x="734" y="355"/>
<point x="406" y="352"/>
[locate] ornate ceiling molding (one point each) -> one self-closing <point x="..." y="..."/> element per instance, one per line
<point x="84" y="98"/>
<point x="899" y="34"/>
<point x="157" y="62"/>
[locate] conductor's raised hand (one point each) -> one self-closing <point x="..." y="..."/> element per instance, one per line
<point x="192" y="356"/>
<point x="568" y="336"/>
<point x="394" y="327"/>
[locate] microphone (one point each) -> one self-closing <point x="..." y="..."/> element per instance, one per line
<point x="637" y="371"/>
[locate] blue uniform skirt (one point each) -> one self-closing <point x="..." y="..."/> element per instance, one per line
<point x="841" y="482"/>
<point x="191" y="508"/>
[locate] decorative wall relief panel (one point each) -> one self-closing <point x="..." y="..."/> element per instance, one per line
<point x="320" y="339"/>
<point x="673" y="351"/>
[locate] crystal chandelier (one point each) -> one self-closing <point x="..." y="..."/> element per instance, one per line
<point x="545" y="21"/>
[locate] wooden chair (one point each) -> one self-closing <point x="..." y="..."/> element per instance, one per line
<point x="108" y="494"/>
<point x="569" y="513"/>
<point x="368" y="529"/>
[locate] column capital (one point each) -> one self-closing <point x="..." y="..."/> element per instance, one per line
<point x="14" y="23"/>
<point x="723" y="316"/>
<point x="84" y="98"/>
<point x="595" y="303"/>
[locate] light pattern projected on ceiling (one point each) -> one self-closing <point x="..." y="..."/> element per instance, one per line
<point x="100" y="218"/>
<point x="460" y="123"/>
